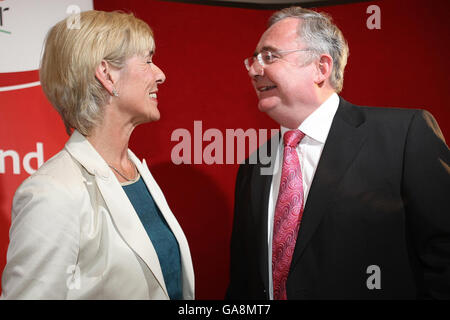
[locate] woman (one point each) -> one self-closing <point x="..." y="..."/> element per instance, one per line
<point x="92" y="223"/>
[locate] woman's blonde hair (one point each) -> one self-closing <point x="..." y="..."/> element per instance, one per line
<point x="71" y="56"/>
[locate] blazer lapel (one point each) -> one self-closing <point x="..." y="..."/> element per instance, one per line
<point x="129" y="224"/>
<point x="344" y="141"/>
<point x="158" y="197"/>
<point x="120" y="208"/>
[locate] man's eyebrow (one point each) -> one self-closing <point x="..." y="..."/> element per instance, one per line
<point x="266" y="48"/>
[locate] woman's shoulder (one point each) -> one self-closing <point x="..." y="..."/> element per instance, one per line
<point x="61" y="167"/>
<point x="59" y="176"/>
<point x="50" y="196"/>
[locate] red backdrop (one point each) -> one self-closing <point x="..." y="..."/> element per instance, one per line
<point x="201" y="48"/>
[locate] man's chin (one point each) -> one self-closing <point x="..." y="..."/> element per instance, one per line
<point x="266" y="106"/>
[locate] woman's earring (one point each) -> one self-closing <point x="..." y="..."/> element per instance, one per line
<point x="114" y="92"/>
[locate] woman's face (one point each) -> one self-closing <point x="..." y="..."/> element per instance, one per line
<point x="137" y="87"/>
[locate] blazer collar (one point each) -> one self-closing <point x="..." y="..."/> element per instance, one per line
<point x="82" y="151"/>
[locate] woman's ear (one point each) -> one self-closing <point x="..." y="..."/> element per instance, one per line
<point x="324" y="66"/>
<point x="105" y="75"/>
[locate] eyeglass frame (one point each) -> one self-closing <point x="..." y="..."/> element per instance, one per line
<point x="261" y="61"/>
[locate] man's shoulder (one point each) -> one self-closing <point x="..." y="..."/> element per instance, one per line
<point x="382" y="114"/>
<point x="392" y="120"/>
<point x="381" y="110"/>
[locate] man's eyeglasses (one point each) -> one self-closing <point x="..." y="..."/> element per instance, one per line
<point x="266" y="57"/>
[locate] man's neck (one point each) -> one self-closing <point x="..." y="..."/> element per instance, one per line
<point x="303" y="112"/>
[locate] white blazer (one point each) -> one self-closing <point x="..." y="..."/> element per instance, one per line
<point x="75" y="235"/>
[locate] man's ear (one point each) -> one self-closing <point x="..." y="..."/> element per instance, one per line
<point x="324" y="66"/>
<point x="105" y="75"/>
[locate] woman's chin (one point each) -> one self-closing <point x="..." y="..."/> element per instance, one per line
<point x="154" y="118"/>
<point x="154" y="115"/>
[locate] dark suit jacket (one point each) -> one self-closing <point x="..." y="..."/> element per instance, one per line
<point x="380" y="196"/>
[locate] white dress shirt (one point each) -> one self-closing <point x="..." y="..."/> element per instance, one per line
<point x="315" y="127"/>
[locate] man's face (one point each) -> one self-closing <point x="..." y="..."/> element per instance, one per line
<point x="287" y="84"/>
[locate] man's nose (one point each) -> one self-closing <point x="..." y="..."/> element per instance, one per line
<point x="255" y="69"/>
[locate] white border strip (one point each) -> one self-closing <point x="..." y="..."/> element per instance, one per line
<point x="20" y="86"/>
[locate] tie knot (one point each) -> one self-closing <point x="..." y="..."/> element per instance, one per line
<point x="293" y="137"/>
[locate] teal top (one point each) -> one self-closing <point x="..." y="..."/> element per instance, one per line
<point x="161" y="236"/>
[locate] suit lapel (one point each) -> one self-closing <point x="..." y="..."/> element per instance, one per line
<point x="261" y="182"/>
<point x="344" y="141"/>
<point x="260" y="211"/>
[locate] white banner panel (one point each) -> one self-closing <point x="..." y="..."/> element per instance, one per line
<point x="24" y="26"/>
<point x="30" y="130"/>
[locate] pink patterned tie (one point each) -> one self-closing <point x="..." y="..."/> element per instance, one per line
<point x="288" y="214"/>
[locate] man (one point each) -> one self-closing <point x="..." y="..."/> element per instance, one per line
<point x="359" y="207"/>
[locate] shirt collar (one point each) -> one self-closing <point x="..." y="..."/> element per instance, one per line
<point x="318" y="124"/>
